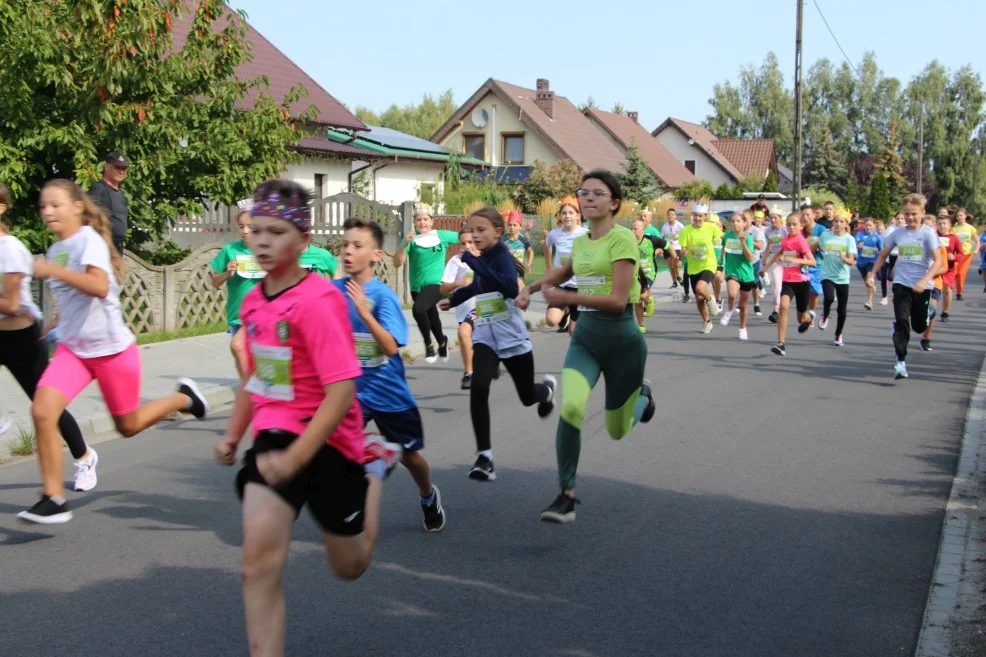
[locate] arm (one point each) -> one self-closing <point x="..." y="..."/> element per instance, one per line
<point x="934" y="270"/>
<point x="500" y="271"/>
<point x="747" y="251"/>
<point x="880" y="260"/>
<point x="548" y="260"/>
<point x="401" y="253"/>
<point x="553" y="278"/>
<point x="93" y="281"/>
<point x="338" y="399"/>
<point x="529" y="259"/>
<point x="242" y="413"/>
<point x="615" y="302"/>
<point x="380" y="334"/>
<point x="10" y="302"/>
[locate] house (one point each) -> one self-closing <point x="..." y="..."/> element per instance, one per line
<point x="624" y="129"/>
<point x="510" y="127"/>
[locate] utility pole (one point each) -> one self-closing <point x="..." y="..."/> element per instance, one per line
<point x="797" y="110"/>
<point x="921" y="151"/>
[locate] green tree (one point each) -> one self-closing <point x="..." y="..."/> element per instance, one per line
<point x="695" y="189"/>
<point x="557" y="181"/>
<point x="826" y="168"/>
<point x="724" y="191"/>
<point x="636" y="179"/>
<point x="770" y="182"/>
<point x="590" y="102"/>
<point x="618" y="108"/>
<point x="748" y="183"/>
<point x="892" y="167"/>
<point x="819" y="195"/>
<point x="878" y="202"/>
<point x="83" y="78"/>
<point x="421" y="120"/>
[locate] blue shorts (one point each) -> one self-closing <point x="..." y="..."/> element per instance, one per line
<point x="815" y="280"/>
<point x="233" y="330"/>
<point x="936" y="294"/>
<point x="648" y="282"/>
<point x="401" y="427"/>
<point x="756" y="266"/>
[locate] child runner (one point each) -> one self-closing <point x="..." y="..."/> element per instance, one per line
<point x="936" y="291"/>
<point x="94" y="341"/>
<point x="425" y="253"/>
<point x="557" y="253"/>
<point x="720" y="277"/>
<point x="918" y="262"/>
<point x="501" y="334"/>
<point x="738" y="257"/>
<point x="796" y="257"/>
<point x="300" y="399"/>
<point x="670" y="232"/>
<point x="607" y="340"/>
<point x="868" y="245"/>
<point x="457" y="274"/>
<point x="967" y="234"/>
<point x="812" y="232"/>
<point x="648" y="247"/>
<point x="839" y="248"/>
<point x="698" y="241"/>
<point x="319" y="260"/>
<point x="774" y="234"/>
<point x="952" y="255"/>
<point x="753" y="222"/>
<point x="380" y="331"/>
<point x="22" y="350"/>
<point x="236" y="268"/>
<point x="518" y="245"/>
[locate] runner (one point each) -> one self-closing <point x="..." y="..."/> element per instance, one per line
<point x="828" y="215"/>
<point x="698" y="242"/>
<point x="380" y="330"/>
<point x="670" y="232"/>
<point x="457" y="274"/>
<point x="649" y="247"/>
<point x="236" y="268"/>
<point x="839" y="248"/>
<point x="884" y="272"/>
<point x="720" y="277"/>
<point x="796" y="257"/>
<point x="917" y="265"/>
<point x="774" y="235"/>
<point x="94" y="341"/>
<point x="321" y="261"/>
<point x="21" y="349"/>
<point x="606" y="341"/>
<point x="868" y="245"/>
<point x="946" y="244"/>
<point x="501" y="333"/>
<point x="425" y="254"/>
<point x="557" y="253"/>
<point x="967" y="234"/>
<point x="518" y="245"/>
<point x="647" y="217"/>
<point x="753" y="222"/>
<point x="739" y="254"/>
<point x="300" y="399"/>
<point x="812" y="232"/>
<point x="952" y="254"/>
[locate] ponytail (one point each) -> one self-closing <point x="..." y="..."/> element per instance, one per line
<point x="93" y="217"/>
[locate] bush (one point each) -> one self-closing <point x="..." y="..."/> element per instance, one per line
<point x="695" y="189"/>
<point x="724" y="191"/>
<point x="819" y="195"/>
<point x="559" y="180"/>
<point x="161" y="253"/>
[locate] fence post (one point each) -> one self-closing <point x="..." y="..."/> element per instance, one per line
<point x="169" y="304"/>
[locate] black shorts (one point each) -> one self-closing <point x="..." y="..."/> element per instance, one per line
<point x="705" y="276"/>
<point x="469" y="320"/>
<point x="573" y="311"/>
<point x="333" y="486"/>
<point x="744" y="286"/>
<point x="798" y="292"/>
<point x="401" y="427"/>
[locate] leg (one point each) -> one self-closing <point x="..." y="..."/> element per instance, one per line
<point x="428" y="297"/>
<point x="842" y="294"/>
<point x="732" y="291"/>
<point x="465" y="345"/>
<point x="237" y="347"/>
<point x="485" y="364"/>
<point x="782" y="317"/>
<point x="686" y="282"/>
<point x="828" y="288"/>
<point x="903" y="301"/>
<point x="744" y="301"/>
<point x="638" y="311"/>
<point x="717" y="285"/>
<point x="961" y="270"/>
<point x="579" y="376"/>
<point x="119" y="381"/>
<point x="946" y="299"/>
<point x="702" y="296"/>
<point x="884" y="276"/>
<point x="554" y="316"/>
<point x="521" y="369"/>
<point x="48" y="406"/>
<point x="777" y="282"/>
<point x="419" y="310"/>
<point x="624" y="378"/>
<point x="919" y="311"/>
<point x="420" y="471"/>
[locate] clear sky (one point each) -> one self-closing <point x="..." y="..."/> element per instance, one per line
<point x="658" y="57"/>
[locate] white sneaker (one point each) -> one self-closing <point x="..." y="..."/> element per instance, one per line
<point x="707" y="327"/>
<point x="85" y="471"/>
<point x="743" y="335"/>
<point x="5" y="423"/>
<point x="822" y="324"/>
<point x="883" y="301"/>
<point x="726" y="316"/>
<point x="838" y="341"/>
<point x="717" y="307"/>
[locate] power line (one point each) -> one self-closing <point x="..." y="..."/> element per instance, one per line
<point x="815" y="2"/>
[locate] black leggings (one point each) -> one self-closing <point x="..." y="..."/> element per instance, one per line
<point x="485" y="363"/>
<point x="684" y="276"/>
<point x="833" y="291"/>
<point x="425" y="312"/>
<point x="910" y="314"/>
<point x="26" y="356"/>
<point x="884" y="276"/>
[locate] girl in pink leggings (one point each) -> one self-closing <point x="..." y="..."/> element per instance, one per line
<point x="94" y="341"/>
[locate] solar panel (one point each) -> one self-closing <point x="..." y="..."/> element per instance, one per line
<point x="396" y="139"/>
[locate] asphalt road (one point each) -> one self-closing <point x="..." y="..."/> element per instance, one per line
<point x="786" y="507"/>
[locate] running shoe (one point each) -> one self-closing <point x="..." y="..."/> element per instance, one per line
<point x="5" y="423"/>
<point x="85" y="472"/>
<point x="757" y="311"/>
<point x="838" y="341"/>
<point x="548" y="405"/>
<point x="430" y="355"/>
<point x="674" y="284"/>
<point x="200" y="407"/>
<point x="649" y="310"/>
<point x="883" y="301"/>
<point x="773" y="317"/>
<point x="646" y="391"/>
<point x="563" y="324"/>
<point x="726" y="316"/>
<point x="434" y="513"/>
<point x="47" y="512"/>
<point x="804" y="326"/>
<point x="926" y="345"/>
<point x="561" y="511"/>
<point x="716" y="307"/>
<point x="868" y="306"/>
<point x="685" y="299"/>
<point x="944" y="317"/>
<point x="742" y="335"/>
<point x="375" y="448"/>
<point x="900" y="370"/>
<point x="822" y="324"/>
<point x="779" y="349"/>
<point x="466" y="381"/>
<point x="707" y="328"/>
<point x="958" y="297"/>
<point x="482" y="469"/>
<point x="443" y="350"/>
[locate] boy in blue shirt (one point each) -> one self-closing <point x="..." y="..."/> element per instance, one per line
<point x="868" y="246"/>
<point x="380" y="330"/>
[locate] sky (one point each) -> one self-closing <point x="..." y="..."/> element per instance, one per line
<point x="658" y="57"/>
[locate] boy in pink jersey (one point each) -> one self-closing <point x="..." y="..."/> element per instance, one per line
<point x="795" y="255"/>
<point x="299" y="395"/>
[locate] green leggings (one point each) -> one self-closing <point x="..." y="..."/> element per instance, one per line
<point x="603" y="343"/>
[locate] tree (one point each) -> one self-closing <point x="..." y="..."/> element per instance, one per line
<point x="878" y="202"/>
<point x="83" y="78"/>
<point x="590" y="102"/>
<point x="636" y="179"/>
<point x="751" y="182"/>
<point x="826" y="168"/>
<point x="421" y="120"/>
<point x="557" y="181"/>
<point x="891" y="166"/>
<point x="618" y="108"/>
<point x="724" y="191"/>
<point x="694" y="190"/>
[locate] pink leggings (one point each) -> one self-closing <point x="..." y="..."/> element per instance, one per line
<point x="118" y="377"/>
<point x="776" y="274"/>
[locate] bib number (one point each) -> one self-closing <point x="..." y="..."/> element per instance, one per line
<point x="790" y="257"/>
<point x="943" y="242"/>
<point x="698" y="252"/>
<point x="869" y="251"/>
<point x="836" y="249"/>
<point x="247" y="267"/>
<point x="733" y="246"/>
<point x="272" y="373"/>
<point x="490" y="309"/>
<point x="591" y="286"/>
<point x="368" y="352"/>
<point x="911" y="253"/>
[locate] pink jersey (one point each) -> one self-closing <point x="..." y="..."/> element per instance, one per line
<point x="794" y="246"/>
<point x="298" y="342"/>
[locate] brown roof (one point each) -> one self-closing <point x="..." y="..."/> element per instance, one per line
<point x="568" y="133"/>
<point x="669" y="171"/>
<point x="705" y="140"/>
<point x="328" y="147"/>
<point x="281" y="72"/>
<point x="749" y="155"/>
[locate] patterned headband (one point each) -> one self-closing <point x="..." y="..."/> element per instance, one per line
<point x="290" y="208"/>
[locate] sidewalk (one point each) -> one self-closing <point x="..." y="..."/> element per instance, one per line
<point x="205" y="359"/>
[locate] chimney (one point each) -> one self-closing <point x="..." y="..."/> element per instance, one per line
<point x="545" y="98"/>
<point x="632" y="116"/>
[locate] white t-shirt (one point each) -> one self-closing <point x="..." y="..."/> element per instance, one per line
<point x="758" y="236"/>
<point x="670" y="232"/>
<point x="562" y="242"/>
<point x="16" y="259"/>
<point x="456" y="270"/>
<point x="88" y="326"/>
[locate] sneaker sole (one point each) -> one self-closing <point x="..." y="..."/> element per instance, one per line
<point x="57" y="519"/>
<point x="545" y="408"/>
<point x="778" y="351"/>
<point x="481" y="475"/>
<point x="184" y="381"/>
<point x="430" y="359"/>
<point x="558" y="518"/>
<point x="441" y="511"/>
<point x="95" y="462"/>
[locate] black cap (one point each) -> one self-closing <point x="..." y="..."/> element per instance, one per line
<point x="117" y="160"/>
<point x="761" y="197"/>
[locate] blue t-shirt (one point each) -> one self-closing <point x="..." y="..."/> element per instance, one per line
<point x="916" y="253"/>
<point x="383" y="386"/>
<point x="833" y="268"/>
<point x="816" y="234"/>
<point x="868" y="246"/>
<point x="982" y="250"/>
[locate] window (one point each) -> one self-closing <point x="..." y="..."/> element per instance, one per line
<point x="427" y="193"/>
<point x="513" y="147"/>
<point x="475" y="144"/>
<point x="690" y="165"/>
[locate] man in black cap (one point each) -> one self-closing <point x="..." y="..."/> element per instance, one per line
<point x="107" y="195"/>
<point x="761" y="206"/>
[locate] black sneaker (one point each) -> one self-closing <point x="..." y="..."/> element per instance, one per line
<point x="645" y="390"/>
<point x="548" y="405"/>
<point x="47" y="512"/>
<point x="958" y="297"/>
<point x="430" y="356"/>
<point x="773" y="317"/>
<point x="685" y="299"/>
<point x="199" y="407"/>
<point x="467" y="380"/>
<point x="563" y="324"/>
<point x="779" y="349"/>
<point x="562" y="510"/>
<point x="944" y="317"/>
<point x="434" y="513"/>
<point x="482" y="469"/>
<point x="757" y="311"/>
<point x="443" y="350"/>
<point x="926" y="345"/>
<point x="674" y="284"/>
<point x="804" y="326"/>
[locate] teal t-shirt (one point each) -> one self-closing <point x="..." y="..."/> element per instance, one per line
<point x="650" y="230"/>
<point x="735" y="263"/>
<point x="426" y="257"/>
<point x="831" y="245"/>
<point x="319" y="261"/>
<point x="518" y="247"/>
<point x="248" y="273"/>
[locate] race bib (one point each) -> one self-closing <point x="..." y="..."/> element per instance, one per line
<point x="698" y="252"/>
<point x="272" y="373"/>
<point x="490" y="308"/>
<point x="836" y="248"/>
<point x="869" y="251"/>
<point x="591" y="286"/>
<point x="247" y="266"/>
<point x="717" y="242"/>
<point x="790" y="257"/>
<point x="733" y="246"/>
<point x="368" y="352"/>
<point x="966" y="238"/>
<point x="775" y="239"/>
<point x="943" y="242"/>
<point x="911" y="252"/>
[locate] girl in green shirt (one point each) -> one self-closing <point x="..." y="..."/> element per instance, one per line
<point x="737" y="261"/>
<point x="236" y="268"/>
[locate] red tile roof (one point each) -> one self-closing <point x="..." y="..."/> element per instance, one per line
<point x="669" y="171"/>
<point x="281" y="72"/>
<point x="749" y="155"/>
<point x="705" y="140"/>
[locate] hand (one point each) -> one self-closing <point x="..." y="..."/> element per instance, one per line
<point x="444" y="304"/>
<point x="920" y="286"/>
<point x="523" y="299"/>
<point x="356" y="294"/>
<point x="231" y="267"/>
<point x="276" y="467"/>
<point x="225" y="451"/>
<point x="555" y="296"/>
<point x="42" y="267"/>
<point x="409" y="236"/>
<point x="869" y="282"/>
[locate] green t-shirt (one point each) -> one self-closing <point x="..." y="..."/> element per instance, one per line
<point x="735" y="262"/>
<point x="832" y="245"/>
<point x="592" y="262"/>
<point x="426" y="257"/>
<point x="320" y="261"/>
<point x="650" y="230"/>
<point x="248" y="274"/>
<point x="646" y="249"/>
<point x="699" y="245"/>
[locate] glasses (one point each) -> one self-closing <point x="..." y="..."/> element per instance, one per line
<point x="598" y="193"/>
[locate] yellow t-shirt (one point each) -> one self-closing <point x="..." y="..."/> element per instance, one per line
<point x="699" y="245"/>
<point x="967" y="235"/>
<point x="592" y="262"/>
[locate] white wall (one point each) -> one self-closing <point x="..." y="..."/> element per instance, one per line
<point x="336" y="174"/>
<point x="401" y="181"/>
<point x="506" y="120"/>
<point x="705" y="167"/>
